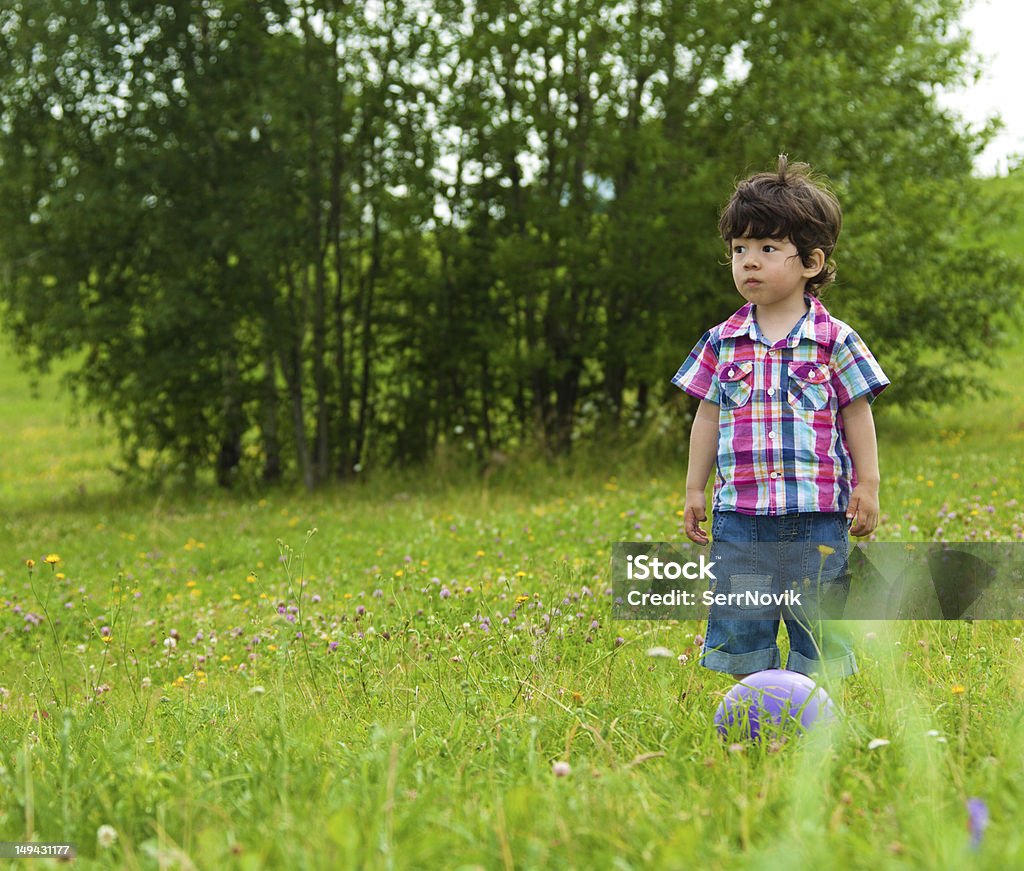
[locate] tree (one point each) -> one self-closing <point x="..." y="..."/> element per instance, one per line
<point x="304" y="236"/>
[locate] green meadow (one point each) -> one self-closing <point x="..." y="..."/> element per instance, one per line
<point x="384" y="675"/>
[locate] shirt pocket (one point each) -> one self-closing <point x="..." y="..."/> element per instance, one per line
<point x="809" y="387"/>
<point x="736" y="382"/>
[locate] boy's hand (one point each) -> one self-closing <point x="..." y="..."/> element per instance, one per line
<point x="694" y="514"/>
<point x="863" y="509"/>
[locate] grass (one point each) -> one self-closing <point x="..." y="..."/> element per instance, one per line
<point x="225" y="689"/>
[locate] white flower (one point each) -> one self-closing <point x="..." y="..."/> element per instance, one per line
<point x="660" y="653"/>
<point x="106" y="836"/>
<point x="875" y="743"/>
<point x="561" y="769"/>
<point x="683" y="657"/>
<point x="257" y="690"/>
<point x="170" y="643"/>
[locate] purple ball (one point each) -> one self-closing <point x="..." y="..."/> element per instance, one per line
<point x="770" y="701"/>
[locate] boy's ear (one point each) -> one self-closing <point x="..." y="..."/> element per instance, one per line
<point x="814" y="263"/>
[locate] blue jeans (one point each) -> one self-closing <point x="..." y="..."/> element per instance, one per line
<point x="805" y="554"/>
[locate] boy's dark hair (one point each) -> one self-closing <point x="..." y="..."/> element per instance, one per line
<point x="790" y="203"/>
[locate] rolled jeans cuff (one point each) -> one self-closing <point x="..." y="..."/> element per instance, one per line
<point x="740" y="663"/>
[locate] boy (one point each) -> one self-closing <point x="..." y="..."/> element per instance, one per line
<point x="785" y="415"/>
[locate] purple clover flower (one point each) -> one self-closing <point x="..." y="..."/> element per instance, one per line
<point x="977" y="820"/>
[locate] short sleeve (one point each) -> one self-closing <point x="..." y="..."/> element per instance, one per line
<point x="697" y="374"/>
<point x="855" y="371"/>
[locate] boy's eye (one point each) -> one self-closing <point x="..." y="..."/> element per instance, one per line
<point x="738" y="249"/>
<point x="769" y="248"/>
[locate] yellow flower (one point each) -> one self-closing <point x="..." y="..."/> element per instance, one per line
<point x="30" y="564"/>
<point x="51" y="559"/>
<point x="250" y="578"/>
<point x="825" y="550"/>
<point x="958" y="689"/>
<point x="577" y="697"/>
<point x="521" y="599"/>
<point x="106" y="639"/>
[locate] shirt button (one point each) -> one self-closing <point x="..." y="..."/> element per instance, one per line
<point x="771" y="435"/>
<point x="771" y="353"/>
<point x="771" y="391"/>
<point x="730" y="373"/>
<point x="774" y="475"/>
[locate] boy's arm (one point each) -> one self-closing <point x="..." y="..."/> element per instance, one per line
<point x="859" y="426"/>
<point x="703" y="451"/>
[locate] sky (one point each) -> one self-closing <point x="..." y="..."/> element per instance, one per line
<point x="997" y="26"/>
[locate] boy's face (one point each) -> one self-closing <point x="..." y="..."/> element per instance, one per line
<point x="768" y="272"/>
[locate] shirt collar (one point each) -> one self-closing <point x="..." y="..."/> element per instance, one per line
<point x="814" y="326"/>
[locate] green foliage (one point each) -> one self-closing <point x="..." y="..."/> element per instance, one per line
<point x="305" y="238"/>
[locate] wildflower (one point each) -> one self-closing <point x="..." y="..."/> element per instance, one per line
<point x="30" y="564"/>
<point x="51" y="559"/>
<point x="958" y="689"/>
<point x="875" y="743"/>
<point x="561" y="769"/>
<point x="445" y="593"/>
<point x="106" y="836"/>
<point x="825" y="550"/>
<point x="977" y="820"/>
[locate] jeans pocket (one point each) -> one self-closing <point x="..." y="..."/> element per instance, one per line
<point x="748" y="593"/>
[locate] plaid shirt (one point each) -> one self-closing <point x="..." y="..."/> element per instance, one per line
<point x="781" y="446"/>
